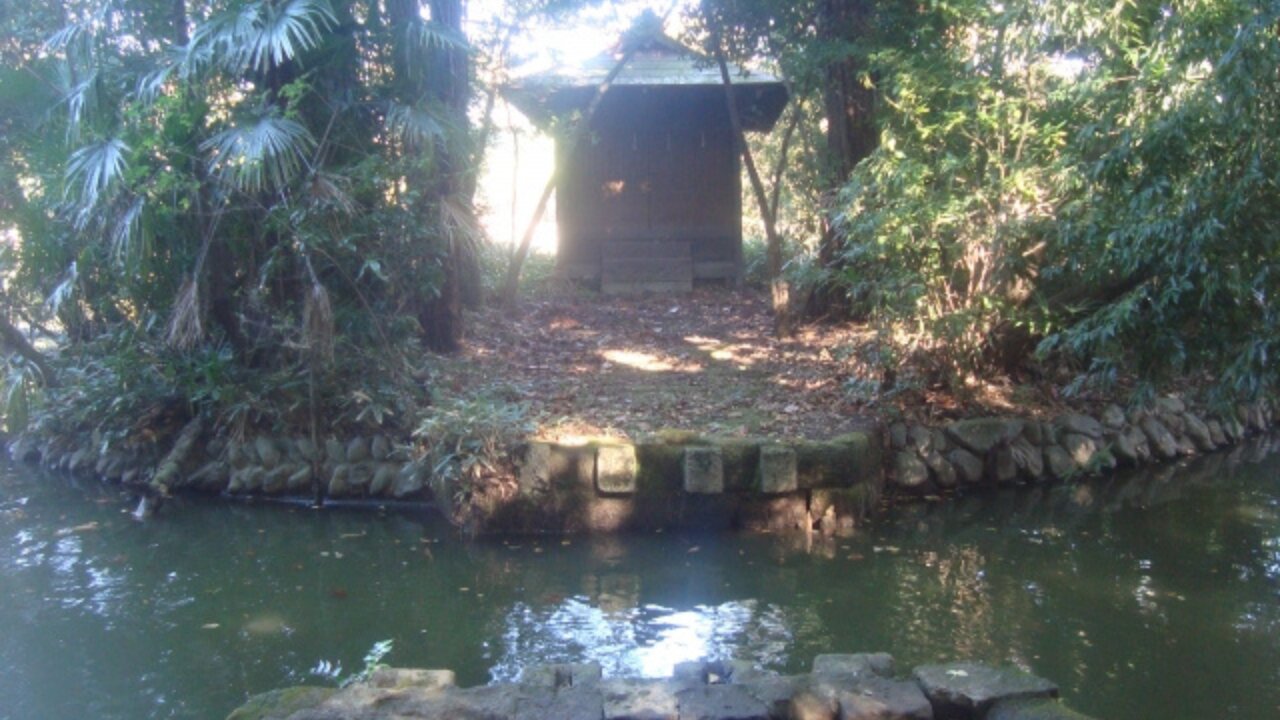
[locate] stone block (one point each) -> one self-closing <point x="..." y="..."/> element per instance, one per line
<point x="839" y="462"/>
<point x="567" y="703"/>
<point x="1159" y="437"/>
<point x="1080" y="425"/>
<point x="616" y="469"/>
<point x="1113" y="417"/>
<point x="909" y="471"/>
<point x="968" y="466"/>
<point x="944" y="474"/>
<point x="703" y="470"/>
<point x="775" y="692"/>
<point x="535" y="469"/>
<point x="1083" y="449"/>
<point x="963" y="689"/>
<point x="920" y="438"/>
<point x="777" y="469"/>
<point x="1003" y="467"/>
<point x="640" y="700"/>
<point x="1059" y="463"/>
<point x="877" y="698"/>
<point x="561" y="675"/>
<point x="1198" y="432"/>
<point x="979" y="435"/>
<point x="720" y="702"/>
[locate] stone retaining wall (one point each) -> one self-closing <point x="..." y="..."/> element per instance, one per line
<point x="847" y="687"/>
<point x="999" y="451"/>
<point x="683" y="480"/>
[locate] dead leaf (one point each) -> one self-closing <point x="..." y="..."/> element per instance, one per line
<point x="85" y="527"/>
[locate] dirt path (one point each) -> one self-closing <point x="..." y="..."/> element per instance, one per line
<point x="627" y="366"/>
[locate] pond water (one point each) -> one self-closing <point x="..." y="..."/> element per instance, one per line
<point x="1153" y="595"/>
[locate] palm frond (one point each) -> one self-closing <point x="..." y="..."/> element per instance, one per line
<point x="414" y="127"/>
<point x="72" y="40"/>
<point x="289" y="29"/>
<point x="225" y="36"/>
<point x="151" y="84"/>
<point x="82" y="99"/>
<point x="125" y="228"/>
<point x="92" y="168"/>
<point x="262" y="35"/>
<point x="269" y="150"/>
<point x="65" y="289"/>
<point x="425" y="34"/>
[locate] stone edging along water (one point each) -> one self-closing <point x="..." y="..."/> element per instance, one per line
<point x="684" y="480"/>
<point x="848" y="687"/>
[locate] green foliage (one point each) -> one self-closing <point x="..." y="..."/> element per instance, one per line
<point x="469" y="439"/>
<point x="228" y="175"/>
<point x="1175" y="220"/>
<point x="941" y="226"/>
<point x="372" y="663"/>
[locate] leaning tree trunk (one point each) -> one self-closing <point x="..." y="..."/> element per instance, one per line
<point x="778" y="287"/>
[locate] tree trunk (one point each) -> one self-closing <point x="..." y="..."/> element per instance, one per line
<point x="848" y="106"/>
<point x="445" y="84"/>
<point x="779" y="290"/>
<point x="13" y="340"/>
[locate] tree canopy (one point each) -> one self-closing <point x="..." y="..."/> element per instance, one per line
<point x="224" y="200"/>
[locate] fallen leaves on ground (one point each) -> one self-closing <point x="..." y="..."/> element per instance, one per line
<point x="627" y="366"/>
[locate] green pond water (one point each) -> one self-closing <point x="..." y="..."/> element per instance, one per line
<point x="1146" y="596"/>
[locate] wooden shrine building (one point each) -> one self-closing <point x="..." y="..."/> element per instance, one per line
<point x="651" y="199"/>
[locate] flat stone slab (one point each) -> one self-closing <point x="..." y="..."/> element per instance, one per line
<point x="568" y="703"/>
<point x="1033" y="709"/>
<point x="639" y="700"/>
<point x="963" y="690"/>
<point x="877" y="698"/>
<point x="561" y="675"/>
<point x="720" y="702"/>
<point x="832" y="697"/>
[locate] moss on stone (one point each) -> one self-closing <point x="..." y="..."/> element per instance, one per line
<point x="672" y="436"/>
<point x="658" y="501"/>
<point x="740" y="457"/>
<point x="842" y="461"/>
<point x="280" y="704"/>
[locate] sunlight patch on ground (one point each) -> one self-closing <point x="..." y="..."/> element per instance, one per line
<point x="649" y="362"/>
<point x="742" y="355"/>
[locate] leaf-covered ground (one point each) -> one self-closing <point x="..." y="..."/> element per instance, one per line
<point x="708" y="362"/>
<point x="627" y="366"/>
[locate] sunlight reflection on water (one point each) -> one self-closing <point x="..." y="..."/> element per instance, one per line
<point x="645" y="641"/>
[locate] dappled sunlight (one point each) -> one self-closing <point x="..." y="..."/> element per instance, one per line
<point x="649" y="361"/>
<point x="628" y="366"/>
<point x="743" y="355"/>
